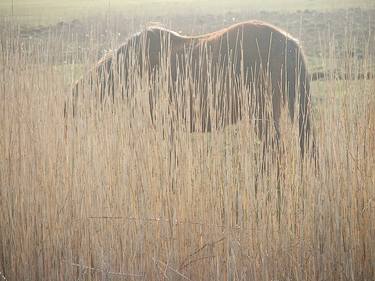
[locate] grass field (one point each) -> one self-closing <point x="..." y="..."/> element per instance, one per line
<point x="108" y="195"/>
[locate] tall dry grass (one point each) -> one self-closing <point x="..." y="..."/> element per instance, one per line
<point x="108" y="195"/>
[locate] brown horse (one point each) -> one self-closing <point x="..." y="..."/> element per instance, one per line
<point x="251" y="63"/>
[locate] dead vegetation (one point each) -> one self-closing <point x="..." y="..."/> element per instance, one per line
<point x="109" y="195"/>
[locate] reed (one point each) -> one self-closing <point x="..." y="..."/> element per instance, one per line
<point x="110" y="195"/>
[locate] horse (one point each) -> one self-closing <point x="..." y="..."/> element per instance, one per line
<point x="251" y="63"/>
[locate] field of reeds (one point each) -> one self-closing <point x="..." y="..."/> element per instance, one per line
<point x="110" y="195"/>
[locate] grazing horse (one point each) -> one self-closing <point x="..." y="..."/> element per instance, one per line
<point x="251" y="63"/>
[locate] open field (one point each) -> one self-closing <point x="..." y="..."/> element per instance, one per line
<point x="319" y="32"/>
<point x="110" y="196"/>
<point x="50" y="11"/>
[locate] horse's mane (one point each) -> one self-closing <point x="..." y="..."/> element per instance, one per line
<point x="164" y="29"/>
<point x="161" y="28"/>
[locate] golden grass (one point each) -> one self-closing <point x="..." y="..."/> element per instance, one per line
<point x="109" y="196"/>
